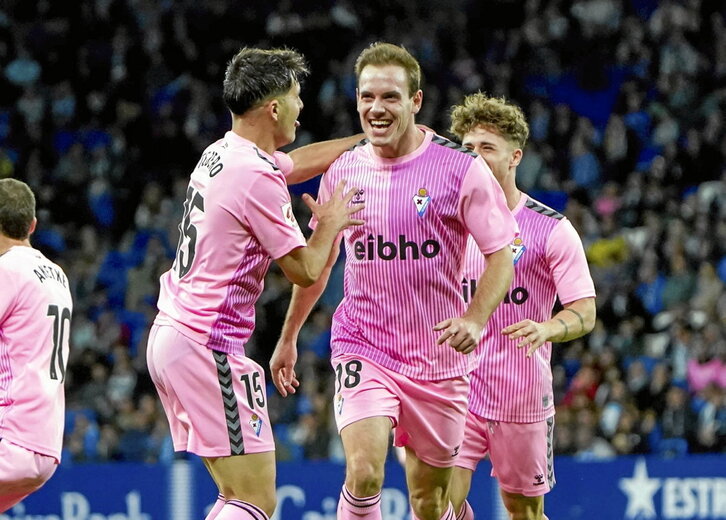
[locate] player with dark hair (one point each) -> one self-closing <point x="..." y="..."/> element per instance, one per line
<point x="237" y="219"/>
<point x="35" y="319"/>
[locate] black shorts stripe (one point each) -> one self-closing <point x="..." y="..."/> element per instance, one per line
<point x="231" y="410"/>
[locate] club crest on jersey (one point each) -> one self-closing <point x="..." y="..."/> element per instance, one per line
<point x="518" y="249"/>
<point x="339" y="403"/>
<point x="358" y="197"/>
<point x="421" y="200"/>
<point x="256" y="423"/>
<point x="288" y="215"/>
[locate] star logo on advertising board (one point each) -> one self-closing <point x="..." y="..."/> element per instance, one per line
<point x="640" y="490"/>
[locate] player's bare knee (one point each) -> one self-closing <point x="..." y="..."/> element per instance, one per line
<point x="364" y="479"/>
<point x="428" y="506"/>
<point x="364" y="485"/>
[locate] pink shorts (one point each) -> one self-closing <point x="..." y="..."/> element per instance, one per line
<point x="521" y="454"/>
<point x="216" y="403"/>
<point x="428" y="416"/>
<point x="21" y="472"/>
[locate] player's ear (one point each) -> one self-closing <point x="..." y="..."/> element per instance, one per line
<point x="33" y="225"/>
<point x="273" y="108"/>
<point x="417" y="100"/>
<point x="516" y="158"/>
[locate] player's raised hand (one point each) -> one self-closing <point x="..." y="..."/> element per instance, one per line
<point x="282" y="368"/>
<point x="463" y="335"/>
<point x="529" y="333"/>
<point x="337" y="211"/>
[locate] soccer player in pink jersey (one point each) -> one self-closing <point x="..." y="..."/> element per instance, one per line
<point x="402" y="336"/>
<point x="511" y="407"/>
<point x="237" y="219"/>
<point x="35" y="319"/>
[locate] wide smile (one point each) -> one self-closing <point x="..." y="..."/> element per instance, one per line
<point x="380" y="126"/>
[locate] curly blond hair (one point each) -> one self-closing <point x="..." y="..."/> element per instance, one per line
<point x="490" y="112"/>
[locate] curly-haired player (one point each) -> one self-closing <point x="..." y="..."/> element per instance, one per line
<point x="511" y="408"/>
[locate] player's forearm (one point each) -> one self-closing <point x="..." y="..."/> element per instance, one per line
<point x="313" y="159"/>
<point x="301" y="304"/>
<point x="320" y="248"/>
<point x="572" y="322"/>
<point x="492" y="286"/>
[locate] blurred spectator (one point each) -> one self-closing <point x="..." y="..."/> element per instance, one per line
<point x="677" y="423"/>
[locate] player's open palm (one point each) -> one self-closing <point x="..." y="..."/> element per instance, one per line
<point x="282" y="368"/>
<point x="527" y="333"/>
<point x="338" y="211"/>
<point x="462" y="335"/>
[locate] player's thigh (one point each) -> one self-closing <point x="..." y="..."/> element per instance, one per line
<point x="367" y="406"/>
<point x="250" y="478"/>
<point x="460" y="486"/>
<point x="365" y="443"/>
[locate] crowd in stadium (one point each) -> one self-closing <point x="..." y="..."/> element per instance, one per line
<point x="105" y="106"/>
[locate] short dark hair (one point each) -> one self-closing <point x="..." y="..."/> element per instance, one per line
<point x="382" y="53"/>
<point x="255" y="75"/>
<point x="17" y="209"/>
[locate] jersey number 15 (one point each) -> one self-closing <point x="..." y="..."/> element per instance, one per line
<point x="188" y="233"/>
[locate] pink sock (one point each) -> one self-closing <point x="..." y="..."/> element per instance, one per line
<point x="448" y="514"/>
<point x="216" y="508"/>
<point x="354" y="508"/>
<point x="466" y="513"/>
<point x="238" y="510"/>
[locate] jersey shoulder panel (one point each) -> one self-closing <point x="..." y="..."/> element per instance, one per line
<point x="542" y="209"/>
<point x="447" y="143"/>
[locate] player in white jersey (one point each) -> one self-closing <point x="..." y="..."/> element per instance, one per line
<point x="511" y="406"/>
<point x="35" y="319"/>
<point x="424" y="195"/>
<point x="237" y="219"/>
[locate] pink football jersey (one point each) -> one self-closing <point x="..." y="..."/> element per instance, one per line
<point x="549" y="261"/>
<point x="35" y="320"/>
<point x="404" y="265"/>
<point x="237" y="218"/>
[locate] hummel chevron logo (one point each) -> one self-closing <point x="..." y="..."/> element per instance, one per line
<point x="231" y="410"/>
